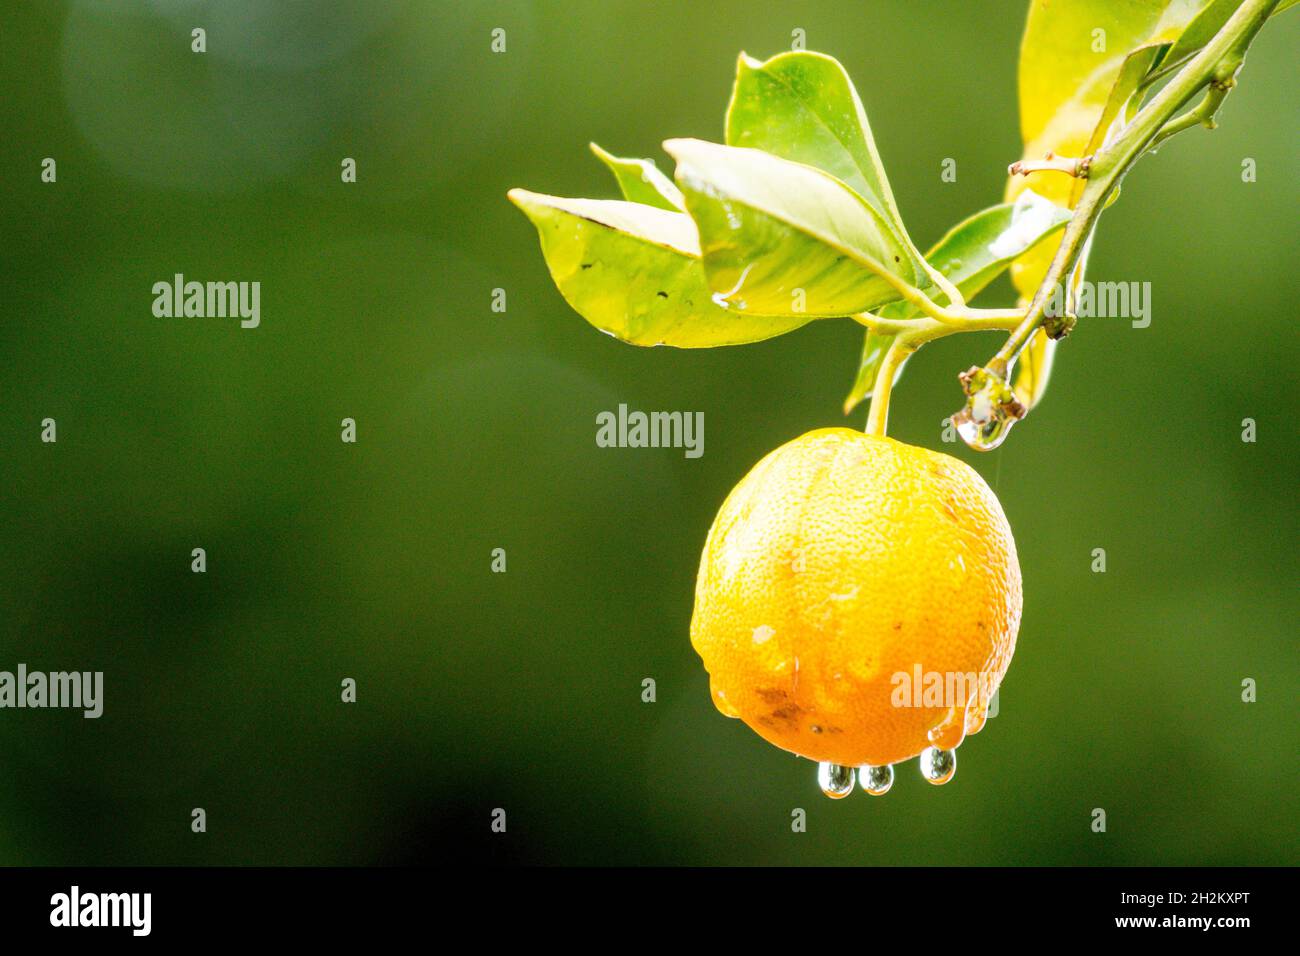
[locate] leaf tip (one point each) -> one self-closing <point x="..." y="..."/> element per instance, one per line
<point x="521" y="198"/>
<point x="676" y="145"/>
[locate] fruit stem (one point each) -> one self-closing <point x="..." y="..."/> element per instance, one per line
<point x="878" y="415"/>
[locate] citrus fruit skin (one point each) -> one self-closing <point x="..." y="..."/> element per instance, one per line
<point x="841" y="561"/>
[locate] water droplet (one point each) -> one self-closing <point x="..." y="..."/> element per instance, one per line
<point x="763" y="634"/>
<point x="731" y="298"/>
<point x="976" y="717"/>
<point x="724" y="706"/>
<point x="982" y="434"/>
<point x="733" y="220"/>
<point x="949" y="732"/>
<point x="876" y="780"/>
<point x="991" y="409"/>
<point x="938" y="766"/>
<point x="835" y="780"/>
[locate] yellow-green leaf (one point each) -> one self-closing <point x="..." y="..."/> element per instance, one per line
<point x="641" y="181"/>
<point x="779" y="237"/>
<point x="634" y="271"/>
<point x="803" y="107"/>
<point x="1033" y="369"/>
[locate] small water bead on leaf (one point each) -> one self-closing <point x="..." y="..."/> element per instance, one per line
<point x="991" y="409"/>
<point x="938" y="765"/>
<point x="876" y="781"/>
<point x="835" y="780"/>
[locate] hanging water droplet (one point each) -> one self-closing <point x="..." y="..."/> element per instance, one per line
<point x="876" y="780"/>
<point x="725" y="707"/>
<point x="976" y="717"/>
<point x="982" y="433"/>
<point x="938" y="766"/>
<point x="991" y="409"/>
<point x="949" y="732"/>
<point x="835" y="780"/>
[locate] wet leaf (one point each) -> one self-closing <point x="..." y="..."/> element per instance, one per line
<point x="641" y="181"/>
<point x="779" y="237"/>
<point x="634" y="271"/>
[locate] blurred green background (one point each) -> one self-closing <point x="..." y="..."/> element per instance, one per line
<point x="476" y="430"/>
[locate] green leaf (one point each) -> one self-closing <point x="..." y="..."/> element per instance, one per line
<point x="802" y="106"/>
<point x="641" y="181"/>
<point x="971" y="255"/>
<point x="779" y="237"/>
<point x="634" y="271"/>
<point x="975" y="251"/>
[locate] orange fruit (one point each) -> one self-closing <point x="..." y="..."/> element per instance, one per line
<point x="850" y="589"/>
